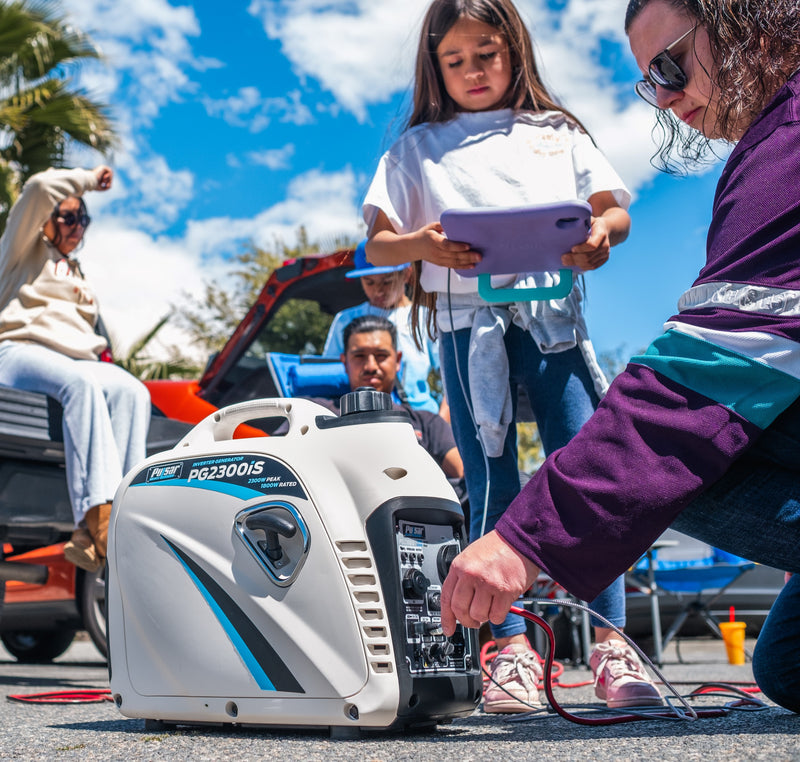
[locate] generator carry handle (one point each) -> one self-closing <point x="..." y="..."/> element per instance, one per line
<point x="221" y="424"/>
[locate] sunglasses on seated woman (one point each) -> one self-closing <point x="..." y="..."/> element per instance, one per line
<point x="664" y="71"/>
<point x="71" y="219"/>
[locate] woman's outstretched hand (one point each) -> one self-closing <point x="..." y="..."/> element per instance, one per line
<point x="104" y="177"/>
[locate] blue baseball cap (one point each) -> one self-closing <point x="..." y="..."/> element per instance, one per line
<point x="362" y="267"/>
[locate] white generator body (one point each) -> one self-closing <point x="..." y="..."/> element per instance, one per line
<point x="289" y="580"/>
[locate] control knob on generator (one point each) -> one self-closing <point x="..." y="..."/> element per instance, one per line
<point x="415" y="584"/>
<point x="438" y="652"/>
<point x="435" y="600"/>
<point x="444" y="558"/>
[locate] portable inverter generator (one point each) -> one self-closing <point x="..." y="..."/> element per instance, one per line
<point x="289" y="580"/>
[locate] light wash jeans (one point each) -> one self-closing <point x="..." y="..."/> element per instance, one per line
<point x="106" y="416"/>
<point x="754" y="512"/>
<point x="562" y="397"/>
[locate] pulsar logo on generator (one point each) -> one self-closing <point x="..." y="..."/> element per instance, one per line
<point x="164" y="471"/>
<point x="245" y="476"/>
<point x="414" y="531"/>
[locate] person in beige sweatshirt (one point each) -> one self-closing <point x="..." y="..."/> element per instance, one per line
<point x="48" y="344"/>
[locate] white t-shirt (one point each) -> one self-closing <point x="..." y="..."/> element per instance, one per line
<point x="489" y="158"/>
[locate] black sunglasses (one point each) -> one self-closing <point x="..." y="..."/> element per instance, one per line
<point x="664" y="71"/>
<point x="70" y="219"/>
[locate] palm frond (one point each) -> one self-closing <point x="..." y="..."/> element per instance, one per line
<point x="35" y="39"/>
<point x="148" y="368"/>
<point x="144" y="340"/>
<point x="41" y="112"/>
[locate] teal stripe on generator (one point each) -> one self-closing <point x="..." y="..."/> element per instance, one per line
<point x="752" y="389"/>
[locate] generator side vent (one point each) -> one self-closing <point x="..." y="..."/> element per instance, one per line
<point x="359" y="571"/>
<point x="356" y="546"/>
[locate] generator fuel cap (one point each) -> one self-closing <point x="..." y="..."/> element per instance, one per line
<point x="365" y="399"/>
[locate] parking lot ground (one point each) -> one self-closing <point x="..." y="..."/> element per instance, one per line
<point x="99" y="731"/>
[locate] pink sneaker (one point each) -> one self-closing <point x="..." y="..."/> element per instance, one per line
<point x="516" y="672"/>
<point x="619" y="677"/>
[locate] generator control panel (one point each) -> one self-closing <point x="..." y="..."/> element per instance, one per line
<point x="424" y="554"/>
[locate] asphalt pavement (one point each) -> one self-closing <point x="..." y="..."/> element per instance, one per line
<point x="99" y="731"/>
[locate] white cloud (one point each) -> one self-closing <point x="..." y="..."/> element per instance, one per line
<point x="248" y="108"/>
<point x="137" y="278"/>
<point x="326" y="204"/>
<point x="234" y="108"/>
<point x="147" y="63"/>
<point x="146" y="45"/>
<point x="361" y="51"/>
<point x="273" y="158"/>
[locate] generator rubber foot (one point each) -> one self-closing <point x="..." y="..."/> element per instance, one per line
<point x="154" y="725"/>
<point x="341" y="733"/>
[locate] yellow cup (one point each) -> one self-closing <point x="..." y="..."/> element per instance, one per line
<point x="733" y="635"/>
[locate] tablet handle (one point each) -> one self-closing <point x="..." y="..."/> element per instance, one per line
<point x="558" y="291"/>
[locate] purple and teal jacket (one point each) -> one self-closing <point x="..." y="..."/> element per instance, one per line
<point x="680" y="414"/>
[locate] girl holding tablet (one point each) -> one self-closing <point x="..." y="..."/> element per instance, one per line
<point x="484" y="132"/>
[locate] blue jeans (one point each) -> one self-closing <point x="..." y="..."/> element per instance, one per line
<point x="562" y="398"/>
<point x="754" y="512"/>
<point x="105" y="422"/>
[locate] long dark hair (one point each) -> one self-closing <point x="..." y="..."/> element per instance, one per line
<point x="431" y="103"/>
<point x="755" y="46"/>
<point x="527" y="91"/>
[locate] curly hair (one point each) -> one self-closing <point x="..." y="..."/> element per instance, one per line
<point x="755" y="46"/>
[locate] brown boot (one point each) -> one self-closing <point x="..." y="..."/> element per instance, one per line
<point x="97" y="523"/>
<point x="80" y="550"/>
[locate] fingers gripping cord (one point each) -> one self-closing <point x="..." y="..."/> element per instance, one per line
<point x="684" y="712"/>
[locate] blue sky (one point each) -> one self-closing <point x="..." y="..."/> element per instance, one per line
<point x="241" y="122"/>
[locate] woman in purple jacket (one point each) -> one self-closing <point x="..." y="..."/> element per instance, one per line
<point x="702" y="431"/>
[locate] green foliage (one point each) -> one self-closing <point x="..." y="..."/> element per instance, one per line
<point x="40" y="110"/>
<point x="299" y="327"/>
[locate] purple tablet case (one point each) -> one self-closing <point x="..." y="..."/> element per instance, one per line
<point x="519" y="239"/>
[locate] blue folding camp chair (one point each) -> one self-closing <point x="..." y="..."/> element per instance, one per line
<point x="308" y="375"/>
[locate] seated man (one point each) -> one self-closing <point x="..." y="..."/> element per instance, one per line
<point x="371" y="358"/>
